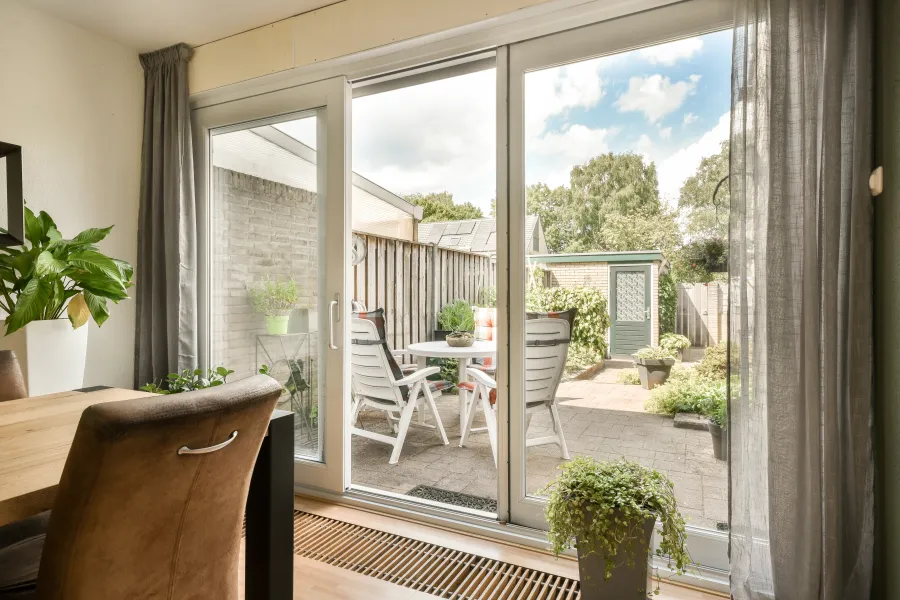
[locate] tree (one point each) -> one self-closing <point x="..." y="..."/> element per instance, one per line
<point x="440" y="206"/>
<point x="703" y="218"/>
<point x="553" y="207"/>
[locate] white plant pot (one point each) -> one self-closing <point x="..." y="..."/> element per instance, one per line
<point x="52" y="355"/>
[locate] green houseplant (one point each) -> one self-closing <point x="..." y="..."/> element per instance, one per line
<point x="654" y="365"/>
<point x="718" y="428"/>
<point x="188" y="381"/>
<point x="274" y="299"/>
<point x="607" y="511"/>
<point x="675" y="343"/>
<point x="457" y="321"/>
<point x="43" y="279"/>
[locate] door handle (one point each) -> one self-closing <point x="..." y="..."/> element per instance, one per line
<point x="647" y="314"/>
<point x="331" y="320"/>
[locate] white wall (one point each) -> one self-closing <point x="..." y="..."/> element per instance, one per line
<point x="74" y="102"/>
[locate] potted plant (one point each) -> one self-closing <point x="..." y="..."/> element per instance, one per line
<point x="456" y="323"/>
<point x="718" y="429"/>
<point x="607" y="511"/>
<point x="45" y="278"/>
<point x="675" y="343"/>
<point x="274" y="299"/>
<point x="654" y="365"/>
<point x="188" y="381"/>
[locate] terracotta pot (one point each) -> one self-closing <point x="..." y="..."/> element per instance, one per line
<point x="627" y="582"/>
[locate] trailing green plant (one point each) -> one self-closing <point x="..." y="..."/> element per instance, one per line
<point x="714" y="364"/>
<point x="718" y="414"/>
<point x="581" y="357"/>
<point x="188" y="381"/>
<point x="673" y="342"/>
<point x="629" y="377"/>
<point x="654" y="353"/>
<point x="457" y="316"/>
<point x="687" y="393"/>
<point x="489" y="296"/>
<point x="668" y="303"/>
<point x="49" y="274"/>
<point x="602" y="507"/>
<point x="592" y="321"/>
<point x="273" y="298"/>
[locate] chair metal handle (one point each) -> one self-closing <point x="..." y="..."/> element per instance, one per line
<point x="331" y="306"/>
<point x="207" y="450"/>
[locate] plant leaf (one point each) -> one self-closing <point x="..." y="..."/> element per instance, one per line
<point x="47" y="265"/>
<point x="94" y="262"/>
<point x="125" y="269"/>
<point x="98" y="306"/>
<point x="30" y="303"/>
<point x="34" y="230"/>
<point x="100" y="285"/>
<point x="92" y="235"/>
<point x="47" y="225"/>
<point x="78" y="311"/>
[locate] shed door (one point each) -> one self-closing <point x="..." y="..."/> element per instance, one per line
<point x="629" y="309"/>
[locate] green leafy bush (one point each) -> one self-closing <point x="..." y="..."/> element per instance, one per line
<point x="718" y="413"/>
<point x="714" y="364"/>
<point x="629" y="377"/>
<point x="596" y="506"/>
<point x="668" y="303"/>
<point x="592" y="320"/>
<point x="457" y="316"/>
<point x="53" y="274"/>
<point x="188" y="381"/>
<point x="688" y="392"/>
<point x="273" y="298"/>
<point x="673" y="342"/>
<point x="581" y="357"/>
<point x="654" y="353"/>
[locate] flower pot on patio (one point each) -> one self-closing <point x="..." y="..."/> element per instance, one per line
<point x="441" y="334"/>
<point x="52" y="355"/>
<point x="653" y="371"/>
<point x="628" y="582"/>
<point x="461" y="339"/>
<point x="719" y="441"/>
<point x="277" y="324"/>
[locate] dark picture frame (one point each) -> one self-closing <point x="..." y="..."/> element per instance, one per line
<point x="15" y="199"/>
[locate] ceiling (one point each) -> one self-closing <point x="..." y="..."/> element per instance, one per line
<point x="152" y="24"/>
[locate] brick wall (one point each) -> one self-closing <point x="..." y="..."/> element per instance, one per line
<point x="259" y="228"/>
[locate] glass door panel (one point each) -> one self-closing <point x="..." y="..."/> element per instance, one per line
<point x="610" y="155"/>
<point x="276" y="269"/>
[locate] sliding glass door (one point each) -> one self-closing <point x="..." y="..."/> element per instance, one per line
<point x="608" y="126"/>
<point x="275" y="257"/>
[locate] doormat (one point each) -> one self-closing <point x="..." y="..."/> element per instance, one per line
<point x="434" y="494"/>
<point x="421" y="566"/>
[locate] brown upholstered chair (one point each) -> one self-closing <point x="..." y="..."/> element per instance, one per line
<point x="12" y="384"/>
<point x="139" y="512"/>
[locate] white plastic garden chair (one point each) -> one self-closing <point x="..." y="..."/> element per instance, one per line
<point x="546" y="350"/>
<point x="375" y="385"/>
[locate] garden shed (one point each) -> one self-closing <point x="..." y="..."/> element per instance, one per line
<point x="630" y="282"/>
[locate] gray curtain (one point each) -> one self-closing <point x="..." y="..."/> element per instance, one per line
<point x="166" y="271"/>
<point x="801" y="415"/>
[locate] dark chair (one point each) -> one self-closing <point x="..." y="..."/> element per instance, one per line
<point x="151" y="500"/>
<point x="12" y="384"/>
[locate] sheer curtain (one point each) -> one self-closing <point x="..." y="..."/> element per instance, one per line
<point x="802" y="471"/>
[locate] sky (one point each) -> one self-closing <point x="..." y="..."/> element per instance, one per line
<point x="668" y="102"/>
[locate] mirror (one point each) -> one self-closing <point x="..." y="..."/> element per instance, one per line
<point x="12" y="202"/>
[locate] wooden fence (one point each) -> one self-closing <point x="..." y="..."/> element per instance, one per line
<point x="702" y="313"/>
<point x="412" y="281"/>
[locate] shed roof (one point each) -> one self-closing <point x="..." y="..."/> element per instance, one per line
<point x="473" y="235"/>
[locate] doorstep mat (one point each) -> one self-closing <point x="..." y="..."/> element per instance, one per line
<point x="427" y="492"/>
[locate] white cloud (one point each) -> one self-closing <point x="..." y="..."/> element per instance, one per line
<point x="673" y="170"/>
<point x="665" y="133"/>
<point x="645" y="147"/>
<point x="689" y="118"/>
<point x="551" y="157"/>
<point x="557" y="90"/>
<point x="670" y="53"/>
<point x="655" y="96"/>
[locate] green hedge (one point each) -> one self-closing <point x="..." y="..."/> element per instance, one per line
<point x="592" y="320"/>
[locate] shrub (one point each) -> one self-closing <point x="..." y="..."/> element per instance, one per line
<point x="668" y="303"/>
<point x="581" y="357"/>
<point x="715" y="362"/>
<point x="592" y="320"/>
<point x="718" y="413"/>
<point x="654" y="353"/>
<point x="600" y="505"/>
<point x="629" y="377"/>
<point x="457" y="316"/>
<point x="674" y="342"/>
<point x="689" y="393"/>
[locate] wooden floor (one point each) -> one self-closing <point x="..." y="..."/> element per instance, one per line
<point x="314" y="580"/>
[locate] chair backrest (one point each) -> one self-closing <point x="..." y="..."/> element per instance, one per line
<point x="12" y="384"/>
<point x="546" y="350"/>
<point x="373" y="369"/>
<point x="485" y="323"/>
<point x="136" y="518"/>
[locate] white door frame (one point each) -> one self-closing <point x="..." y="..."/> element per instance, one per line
<point x="695" y="17"/>
<point x="330" y="99"/>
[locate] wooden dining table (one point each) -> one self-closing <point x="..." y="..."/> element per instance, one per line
<point x="35" y="436"/>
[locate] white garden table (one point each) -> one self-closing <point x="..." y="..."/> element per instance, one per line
<point x="480" y="349"/>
